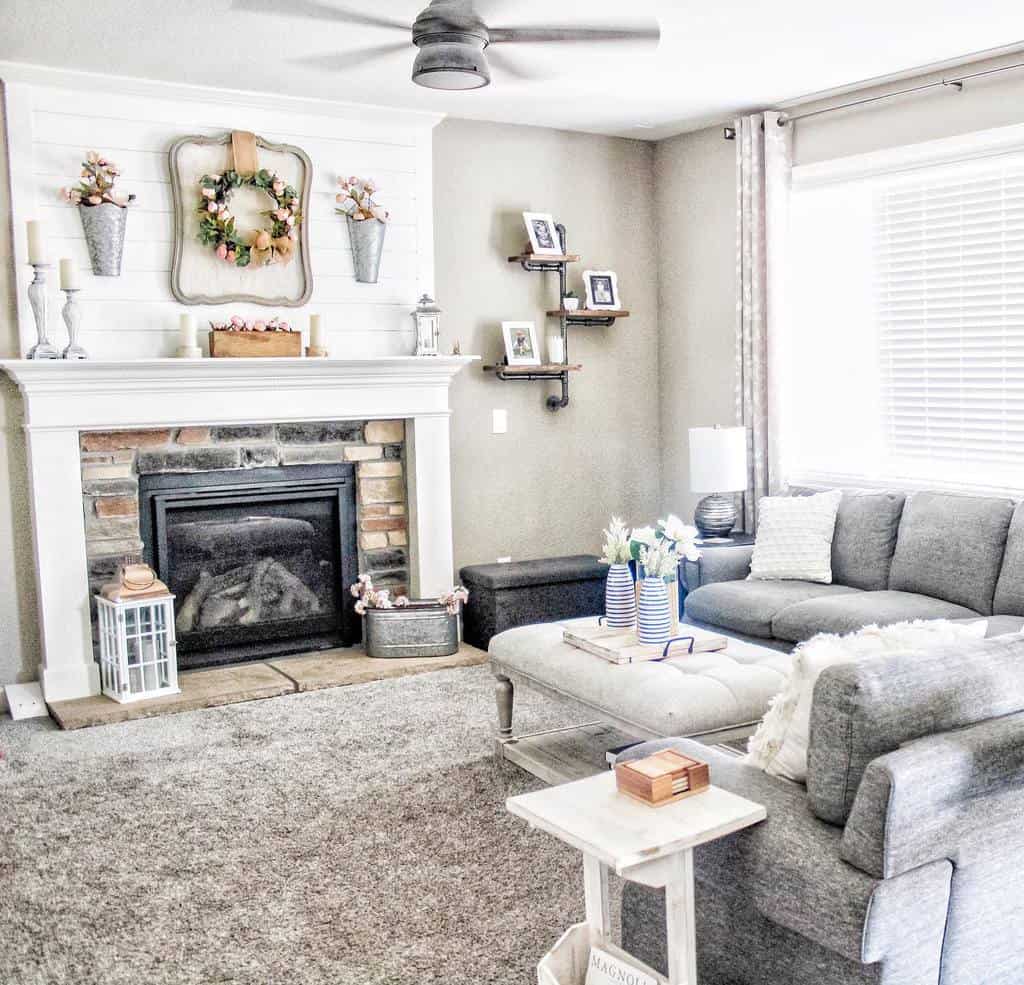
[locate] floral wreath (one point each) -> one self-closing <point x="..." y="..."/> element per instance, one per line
<point x="262" y="246"/>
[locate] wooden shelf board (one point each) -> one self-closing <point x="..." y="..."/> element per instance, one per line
<point x="589" y="313"/>
<point x="545" y="258"/>
<point x="550" y="368"/>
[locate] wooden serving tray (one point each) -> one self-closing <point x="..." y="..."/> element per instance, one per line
<point x="249" y="344"/>
<point x="621" y="646"/>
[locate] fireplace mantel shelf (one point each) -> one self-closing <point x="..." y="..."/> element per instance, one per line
<point x="153" y="392"/>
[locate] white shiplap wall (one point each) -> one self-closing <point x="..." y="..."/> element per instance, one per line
<point x="53" y="118"/>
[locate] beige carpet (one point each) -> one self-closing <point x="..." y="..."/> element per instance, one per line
<point x="354" y="835"/>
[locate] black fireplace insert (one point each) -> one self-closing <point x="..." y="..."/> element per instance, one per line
<point x="259" y="561"/>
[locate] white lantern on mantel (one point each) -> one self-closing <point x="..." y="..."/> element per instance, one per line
<point x="428" y="326"/>
<point x="138" y="649"/>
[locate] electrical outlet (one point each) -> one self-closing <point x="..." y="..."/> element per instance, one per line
<point x="504" y="560"/>
<point x="499" y="423"/>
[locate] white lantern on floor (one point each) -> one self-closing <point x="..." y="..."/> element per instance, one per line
<point x="138" y="649"/>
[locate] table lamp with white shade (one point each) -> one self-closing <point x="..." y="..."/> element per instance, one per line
<point x="718" y="465"/>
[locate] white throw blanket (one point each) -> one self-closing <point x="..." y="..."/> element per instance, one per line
<point x="779" y="746"/>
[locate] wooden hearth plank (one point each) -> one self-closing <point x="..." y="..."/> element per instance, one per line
<point x="341" y="667"/>
<point x="199" y="689"/>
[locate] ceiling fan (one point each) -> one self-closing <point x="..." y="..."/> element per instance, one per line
<point x="453" y="40"/>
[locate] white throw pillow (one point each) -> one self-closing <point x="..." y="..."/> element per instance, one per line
<point x="794" y="537"/>
<point x="779" y="746"/>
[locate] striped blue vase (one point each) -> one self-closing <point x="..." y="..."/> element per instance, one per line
<point x="654" y="621"/>
<point x="620" y="598"/>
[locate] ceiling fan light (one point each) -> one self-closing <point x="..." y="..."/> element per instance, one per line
<point x="449" y="65"/>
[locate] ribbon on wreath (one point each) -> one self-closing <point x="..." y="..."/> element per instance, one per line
<point x="245" y="155"/>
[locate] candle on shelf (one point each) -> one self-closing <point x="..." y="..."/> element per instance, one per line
<point x="36" y="243"/>
<point x="69" y="275"/>
<point x="317" y="336"/>
<point x="187" y="332"/>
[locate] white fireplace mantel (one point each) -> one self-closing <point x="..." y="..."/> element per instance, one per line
<point x="63" y="399"/>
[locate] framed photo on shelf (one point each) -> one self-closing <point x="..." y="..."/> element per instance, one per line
<point x="602" y="288"/>
<point x="543" y="234"/>
<point x="521" y="347"/>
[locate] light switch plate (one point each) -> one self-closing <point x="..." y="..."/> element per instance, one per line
<point x="499" y="424"/>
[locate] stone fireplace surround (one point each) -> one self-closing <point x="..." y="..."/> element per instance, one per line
<point x="113" y="461"/>
<point x="72" y="409"/>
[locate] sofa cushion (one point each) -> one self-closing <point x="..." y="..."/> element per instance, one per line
<point x="794" y="537"/>
<point x="749" y="606"/>
<point x="848" y="613"/>
<point x="870" y="708"/>
<point x="951" y="547"/>
<point x="1009" y="597"/>
<point x="865" y="539"/>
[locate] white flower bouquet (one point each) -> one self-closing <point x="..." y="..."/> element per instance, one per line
<point x="616" y="543"/>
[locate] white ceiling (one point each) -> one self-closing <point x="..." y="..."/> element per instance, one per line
<point x="714" y="59"/>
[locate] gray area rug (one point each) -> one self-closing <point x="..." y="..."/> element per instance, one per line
<point x="356" y="835"/>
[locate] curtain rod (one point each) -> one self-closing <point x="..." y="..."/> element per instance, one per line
<point x="955" y="83"/>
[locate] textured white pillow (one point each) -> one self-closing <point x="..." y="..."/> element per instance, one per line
<point x="779" y="746"/>
<point x="794" y="537"/>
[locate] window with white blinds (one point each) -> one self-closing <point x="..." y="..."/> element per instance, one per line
<point x="905" y="364"/>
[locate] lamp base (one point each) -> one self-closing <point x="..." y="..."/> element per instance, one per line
<point x="715" y="517"/>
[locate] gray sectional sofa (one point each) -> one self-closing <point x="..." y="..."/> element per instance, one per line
<point x="894" y="557"/>
<point x="898" y="863"/>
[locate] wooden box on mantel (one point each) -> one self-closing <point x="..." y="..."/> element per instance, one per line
<point x="249" y="344"/>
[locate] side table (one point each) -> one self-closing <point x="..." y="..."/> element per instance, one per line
<point x="649" y="845"/>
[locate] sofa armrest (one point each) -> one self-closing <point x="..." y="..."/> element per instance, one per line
<point x="721" y="564"/>
<point x="956" y="795"/>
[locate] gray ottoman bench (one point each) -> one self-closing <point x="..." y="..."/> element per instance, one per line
<point x="502" y="596"/>
<point x="713" y="697"/>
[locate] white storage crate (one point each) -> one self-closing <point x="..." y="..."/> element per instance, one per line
<point x="138" y="648"/>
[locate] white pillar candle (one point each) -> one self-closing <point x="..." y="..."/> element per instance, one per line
<point x="187" y="331"/>
<point x="317" y="336"/>
<point x="69" y="275"/>
<point x="36" y="243"/>
<point x="556" y="349"/>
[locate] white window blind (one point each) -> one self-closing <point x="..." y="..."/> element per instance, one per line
<point x="950" y="300"/>
<point x="909" y="314"/>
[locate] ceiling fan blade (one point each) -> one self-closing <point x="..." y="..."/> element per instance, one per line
<point x="508" y="67"/>
<point x="342" y="61"/>
<point x="545" y="35"/>
<point x="318" y="11"/>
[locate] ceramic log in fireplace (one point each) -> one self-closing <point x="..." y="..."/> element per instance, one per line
<point x="258" y="560"/>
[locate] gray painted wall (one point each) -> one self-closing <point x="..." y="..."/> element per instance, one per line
<point x="695" y="196"/>
<point x="549" y="485"/>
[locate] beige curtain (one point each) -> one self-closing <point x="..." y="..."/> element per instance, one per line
<point x="764" y="161"/>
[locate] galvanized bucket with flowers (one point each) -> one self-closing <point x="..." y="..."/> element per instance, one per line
<point x="403" y="627"/>
<point x="104" y="213"/>
<point x="367" y="224"/>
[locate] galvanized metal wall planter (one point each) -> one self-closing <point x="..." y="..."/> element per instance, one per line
<point x="367" y="238"/>
<point x="104" y="227"/>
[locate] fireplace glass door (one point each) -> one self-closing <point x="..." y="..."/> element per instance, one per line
<point x="258" y="564"/>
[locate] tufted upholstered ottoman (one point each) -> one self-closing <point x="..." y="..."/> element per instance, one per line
<point x="713" y="697"/>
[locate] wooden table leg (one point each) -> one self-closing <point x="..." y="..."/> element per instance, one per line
<point x="595" y="887"/>
<point x="680" y="923"/>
